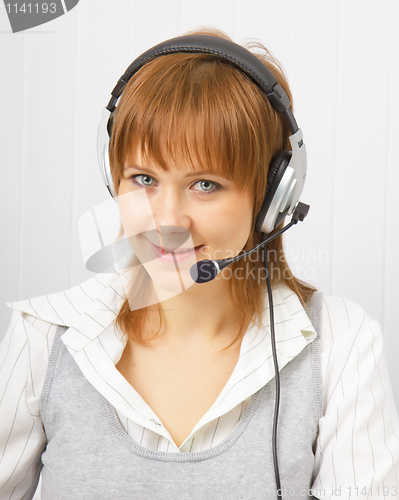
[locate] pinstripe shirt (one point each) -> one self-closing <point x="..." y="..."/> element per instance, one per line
<point x="357" y="451"/>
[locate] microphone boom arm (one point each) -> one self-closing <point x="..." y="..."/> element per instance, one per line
<point x="207" y="270"/>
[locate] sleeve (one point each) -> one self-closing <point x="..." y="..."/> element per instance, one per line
<point x="357" y="450"/>
<point x="24" y="354"/>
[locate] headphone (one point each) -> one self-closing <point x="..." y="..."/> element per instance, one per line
<point x="287" y="171"/>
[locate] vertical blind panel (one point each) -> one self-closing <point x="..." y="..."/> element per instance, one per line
<point x="313" y="80"/>
<point x="219" y="14"/>
<point x="390" y="173"/>
<point x="263" y="21"/>
<point x="361" y="145"/>
<point x="12" y="141"/>
<point x="46" y="188"/>
<point x="151" y="23"/>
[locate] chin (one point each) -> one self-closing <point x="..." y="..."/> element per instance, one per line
<point x="168" y="280"/>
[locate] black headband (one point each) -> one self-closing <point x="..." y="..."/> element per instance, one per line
<point x="230" y="52"/>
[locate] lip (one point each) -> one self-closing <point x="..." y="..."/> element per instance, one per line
<point x="170" y="257"/>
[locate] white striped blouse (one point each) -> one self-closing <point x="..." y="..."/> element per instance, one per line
<point x="357" y="451"/>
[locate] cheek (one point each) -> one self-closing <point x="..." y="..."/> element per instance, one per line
<point x="124" y="185"/>
<point x="229" y="224"/>
<point x="245" y="216"/>
<point x="135" y="211"/>
<point x="243" y="223"/>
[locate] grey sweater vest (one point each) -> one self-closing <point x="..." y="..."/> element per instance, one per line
<point x="90" y="456"/>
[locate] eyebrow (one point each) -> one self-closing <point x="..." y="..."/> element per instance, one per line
<point x="193" y="174"/>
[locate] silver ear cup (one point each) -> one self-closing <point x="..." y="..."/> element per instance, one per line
<point x="103" y="152"/>
<point x="286" y="178"/>
<point x="280" y="202"/>
<point x="298" y="163"/>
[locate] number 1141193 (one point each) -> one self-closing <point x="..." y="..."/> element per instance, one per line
<point x="32" y="8"/>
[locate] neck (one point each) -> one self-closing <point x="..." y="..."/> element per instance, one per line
<point x="202" y="315"/>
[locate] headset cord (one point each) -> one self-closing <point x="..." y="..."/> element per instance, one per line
<point x="276" y="371"/>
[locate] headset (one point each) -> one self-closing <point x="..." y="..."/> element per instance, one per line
<point x="286" y="173"/>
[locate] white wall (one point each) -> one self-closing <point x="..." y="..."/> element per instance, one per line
<point x="342" y="58"/>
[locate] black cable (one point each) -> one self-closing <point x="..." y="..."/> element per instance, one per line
<point x="276" y="371"/>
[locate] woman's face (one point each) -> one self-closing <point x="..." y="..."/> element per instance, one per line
<point x="177" y="217"/>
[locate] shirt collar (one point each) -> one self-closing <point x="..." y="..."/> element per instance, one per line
<point x="101" y="295"/>
<point x="90" y="307"/>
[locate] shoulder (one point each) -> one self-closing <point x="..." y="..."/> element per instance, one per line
<point x="352" y="353"/>
<point x="343" y="321"/>
<point x="64" y="307"/>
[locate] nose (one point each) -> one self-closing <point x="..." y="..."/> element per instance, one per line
<point x="171" y="214"/>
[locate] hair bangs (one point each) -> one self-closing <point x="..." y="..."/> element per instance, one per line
<point x="192" y="111"/>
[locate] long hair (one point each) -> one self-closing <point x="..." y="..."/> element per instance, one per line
<point x="199" y="111"/>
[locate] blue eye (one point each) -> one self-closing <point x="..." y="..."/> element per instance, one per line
<point x="207" y="186"/>
<point x="146" y="180"/>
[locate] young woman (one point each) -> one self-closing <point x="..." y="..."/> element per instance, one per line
<point x="147" y="383"/>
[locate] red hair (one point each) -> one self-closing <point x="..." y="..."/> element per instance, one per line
<point x="199" y="111"/>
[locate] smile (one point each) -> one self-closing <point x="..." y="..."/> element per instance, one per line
<point x="170" y="256"/>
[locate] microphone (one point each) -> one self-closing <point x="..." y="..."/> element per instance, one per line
<point x="207" y="270"/>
